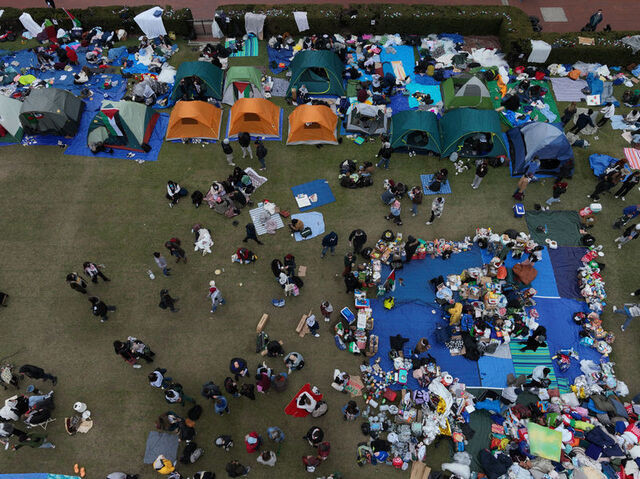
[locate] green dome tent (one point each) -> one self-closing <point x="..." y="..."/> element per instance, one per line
<point x="126" y="125"/>
<point x="242" y="82"/>
<point x="320" y="71"/>
<point x="465" y="91"/>
<point x="415" y="130"/>
<point x="10" y="127"/>
<point x="50" y="111"/>
<point x="472" y="133"/>
<point x="210" y="75"/>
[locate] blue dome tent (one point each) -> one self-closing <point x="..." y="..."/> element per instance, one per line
<point x="544" y="141"/>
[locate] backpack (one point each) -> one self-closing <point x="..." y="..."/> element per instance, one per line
<point x="363" y="455"/>
<point x="261" y="341"/>
<point x="191" y="453"/>
<point x="306" y="232"/>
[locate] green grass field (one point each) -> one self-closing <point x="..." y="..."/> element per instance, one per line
<point x="59" y="211"/>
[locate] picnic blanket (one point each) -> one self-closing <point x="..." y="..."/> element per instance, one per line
<point x="432" y="90"/>
<point x="279" y="88"/>
<point x="279" y="60"/>
<point x="319" y="188"/>
<point x="161" y="443"/>
<point x="549" y="113"/>
<point x="561" y="226"/>
<point x="403" y="54"/>
<point x="617" y="123"/>
<point x="249" y="48"/>
<point x="426" y="180"/>
<point x="566" y="89"/>
<point x="313" y="220"/>
<point x="256" y="179"/>
<point x="79" y="146"/>
<point x="633" y="157"/>
<point x="587" y="130"/>
<point x="256" y="214"/>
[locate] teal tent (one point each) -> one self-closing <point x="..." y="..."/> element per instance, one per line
<point x="209" y="75"/>
<point x="472" y="133"/>
<point x="320" y="71"/>
<point x="415" y="130"/>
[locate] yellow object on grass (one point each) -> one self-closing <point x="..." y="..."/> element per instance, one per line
<point x="26" y="79"/>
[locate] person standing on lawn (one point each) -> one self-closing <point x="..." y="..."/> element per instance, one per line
<point x="228" y="151"/>
<point x="631" y="233"/>
<point x="523" y="182"/>
<point x="244" y="140"/>
<point x="175" y="249"/>
<point x="162" y="263"/>
<point x="385" y="155"/>
<point x="93" y="271"/>
<point x="100" y="308"/>
<point x="252" y="234"/>
<point x="437" y="207"/>
<point x="559" y="188"/>
<point x="630" y="310"/>
<point x="482" y="168"/>
<point x="627" y="185"/>
<point x="357" y="239"/>
<point x="607" y="112"/>
<point x="329" y="242"/>
<point x="415" y="194"/>
<point x="215" y="295"/>
<point x="261" y="153"/>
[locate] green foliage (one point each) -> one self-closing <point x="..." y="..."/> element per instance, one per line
<point x="510" y="24"/>
<point x="108" y="18"/>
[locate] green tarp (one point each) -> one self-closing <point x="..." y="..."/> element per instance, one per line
<point x="462" y="124"/>
<point x="415" y="130"/>
<point x="536" y="114"/>
<point x="560" y="226"/>
<point x="210" y="75"/>
<point x="319" y="71"/>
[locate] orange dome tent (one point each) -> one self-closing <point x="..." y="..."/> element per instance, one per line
<point x="256" y="116"/>
<point x="312" y="125"/>
<point x="194" y="119"/>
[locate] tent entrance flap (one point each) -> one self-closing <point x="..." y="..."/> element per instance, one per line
<point x="417" y="139"/>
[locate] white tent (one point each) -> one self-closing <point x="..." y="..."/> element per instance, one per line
<point x="29" y="23"/>
<point x="150" y="22"/>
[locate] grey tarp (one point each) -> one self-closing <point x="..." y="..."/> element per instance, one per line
<point x="161" y="443"/>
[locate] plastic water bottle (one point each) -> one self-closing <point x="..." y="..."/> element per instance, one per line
<point x="151" y="275"/>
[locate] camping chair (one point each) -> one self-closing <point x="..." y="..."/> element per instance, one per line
<point x="39" y="423"/>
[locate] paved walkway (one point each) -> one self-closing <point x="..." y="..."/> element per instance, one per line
<point x="556" y="15"/>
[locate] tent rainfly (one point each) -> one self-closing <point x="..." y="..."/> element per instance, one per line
<point x="472" y="133"/>
<point x="242" y="82"/>
<point x="10" y="127"/>
<point x="313" y="125"/>
<point x="466" y="91"/>
<point x="150" y="22"/>
<point x="367" y="119"/>
<point x="194" y="119"/>
<point x="543" y="141"/>
<point x="125" y="125"/>
<point x="50" y="111"/>
<point x="415" y="130"/>
<point x="209" y="75"/>
<point x="320" y="71"/>
<point x="256" y="116"/>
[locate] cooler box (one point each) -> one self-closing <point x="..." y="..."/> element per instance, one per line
<point x="347" y="314"/>
<point x="518" y="210"/>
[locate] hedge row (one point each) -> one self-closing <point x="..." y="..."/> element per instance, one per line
<point x="511" y="25"/>
<point x="109" y="18"/>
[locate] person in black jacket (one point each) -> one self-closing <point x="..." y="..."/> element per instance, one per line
<point x="357" y="239"/>
<point x="482" y="168"/>
<point x="227" y="150"/>
<point x="329" y="242"/>
<point x="385" y="155"/>
<point x="627" y="185"/>
<point x="35" y="372"/>
<point x="410" y="248"/>
<point x="251" y="234"/>
<point x="100" y="308"/>
<point x="261" y="153"/>
<point x="244" y="140"/>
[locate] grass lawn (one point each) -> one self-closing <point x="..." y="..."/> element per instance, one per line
<point x="59" y="211"/>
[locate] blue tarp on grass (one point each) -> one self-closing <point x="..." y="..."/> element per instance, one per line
<point x="404" y="53"/>
<point x="426" y="180"/>
<point x="313" y="220"/>
<point x="79" y="145"/>
<point x="284" y="56"/>
<point x="566" y="261"/>
<point x="318" y="187"/>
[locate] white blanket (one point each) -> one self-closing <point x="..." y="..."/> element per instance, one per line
<point x="204" y="242"/>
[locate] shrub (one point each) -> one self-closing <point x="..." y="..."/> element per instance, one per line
<point x="109" y="18"/>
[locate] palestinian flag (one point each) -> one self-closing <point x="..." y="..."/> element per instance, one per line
<point x="390" y="282"/>
<point x="74" y="20"/>
<point x="109" y="121"/>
